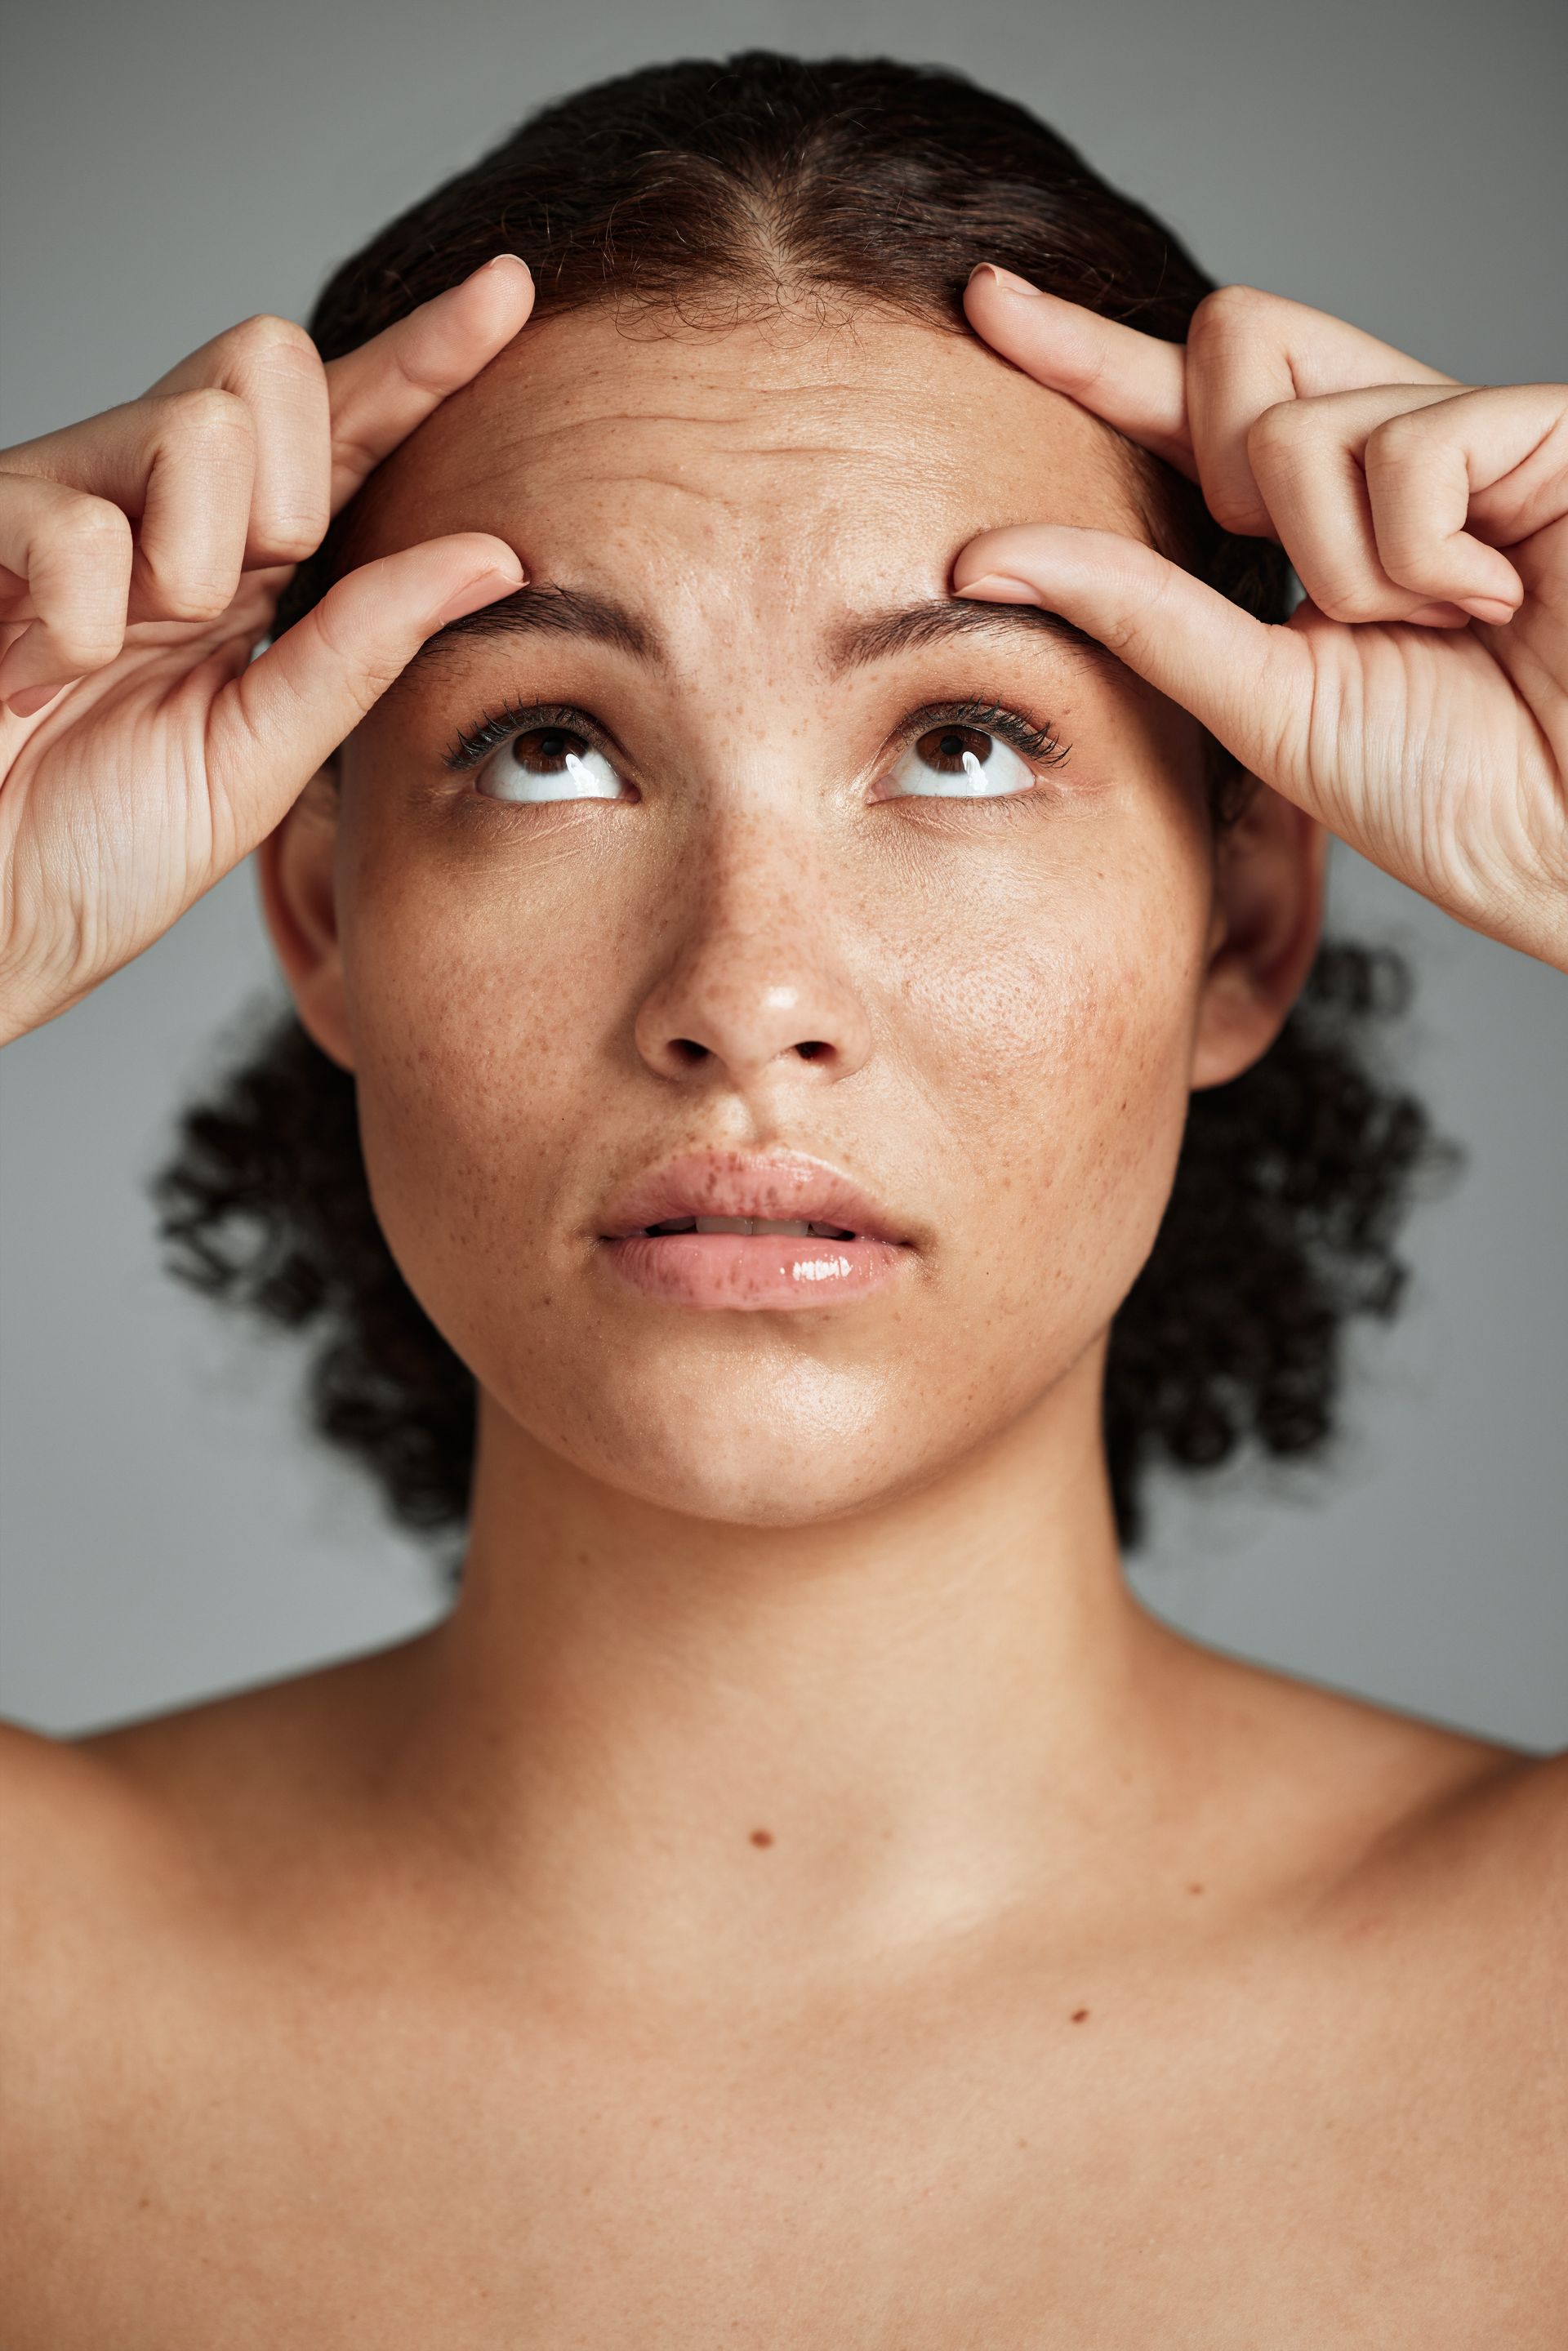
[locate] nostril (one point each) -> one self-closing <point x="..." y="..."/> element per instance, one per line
<point x="811" y="1047"/>
<point x="688" y="1048"/>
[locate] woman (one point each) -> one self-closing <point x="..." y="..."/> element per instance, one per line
<point x="794" y="827"/>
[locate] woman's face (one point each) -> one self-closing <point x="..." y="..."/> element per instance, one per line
<point x="739" y="627"/>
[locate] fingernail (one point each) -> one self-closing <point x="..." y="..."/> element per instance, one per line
<point x="28" y="700"/>
<point x="1490" y="609"/>
<point x="1000" y="588"/>
<point x="1004" y="278"/>
<point x="483" y="589"/>
<point x="500" y="261"/>
<point x="1436" y="616"/>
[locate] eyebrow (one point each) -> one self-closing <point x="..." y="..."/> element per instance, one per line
<point x="877" y="636"/>
<point x="543" y="608"/>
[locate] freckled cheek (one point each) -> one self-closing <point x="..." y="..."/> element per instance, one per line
<point x="481" y="1044"/>
<point x="1061" y="1068"/>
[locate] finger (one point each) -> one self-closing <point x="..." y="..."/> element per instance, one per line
<point x="1307" y="458"/>
<point x="1520" y="465"/>
<point x="1248" y="683"/>
<point x="1427" y="471"/>
<point x="1249" y="351"/>
<point x="275" y="723"/>
<point x="74" y="553"/>
<point x="273" y="366"/>
<point x="381" y="392"/>
<point x="181" y="468"/>
<point x="1134" y="381"/>
<point x="195" y="510"/>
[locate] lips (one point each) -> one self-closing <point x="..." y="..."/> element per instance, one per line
<point x="733" y="1230"/>
<point x="785" y="1188"/>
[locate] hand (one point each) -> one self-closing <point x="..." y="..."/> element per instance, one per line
<point x="1416" y="702"/>
<point x="142" y="752"/>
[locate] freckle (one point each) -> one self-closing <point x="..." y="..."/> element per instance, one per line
<point x="761" y="1836"/>
<point x="1194" y="1889"/>
<point x="1078" y="2014"/>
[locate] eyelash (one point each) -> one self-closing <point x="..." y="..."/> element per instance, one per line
<point x="497" y="726"/>
<point x="1041" y="743"/>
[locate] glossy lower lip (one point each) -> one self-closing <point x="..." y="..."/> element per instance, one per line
<point x="751" y="1270"/>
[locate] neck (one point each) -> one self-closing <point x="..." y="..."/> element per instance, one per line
<point x="742" y="1748"/>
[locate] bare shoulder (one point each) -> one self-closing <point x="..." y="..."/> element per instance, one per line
<point x="253" y="1744"/>
<point x="77" y="1863"/>
<point x="158" y="1794"/>
<point x="1375" y="1800"/>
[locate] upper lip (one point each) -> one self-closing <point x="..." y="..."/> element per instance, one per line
<point x="788" y="1186"/>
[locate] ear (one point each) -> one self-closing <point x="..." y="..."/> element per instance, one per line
<point x="1270" y="868"/>
<point x="295" y="867"/>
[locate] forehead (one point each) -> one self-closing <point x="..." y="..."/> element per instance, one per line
<point x="853" y="454"/>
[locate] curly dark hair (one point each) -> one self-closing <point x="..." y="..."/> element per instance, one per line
<point x="717" y="190"/>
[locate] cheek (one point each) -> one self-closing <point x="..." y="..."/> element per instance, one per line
<point x="1054" y="1045"/>
<point x="485" y="1050"/>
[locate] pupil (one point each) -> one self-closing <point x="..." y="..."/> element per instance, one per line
<point x="546" y="748"/>
<point x="944" y="747"/>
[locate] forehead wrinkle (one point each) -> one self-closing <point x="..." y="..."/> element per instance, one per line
<point x="892" y="412"/>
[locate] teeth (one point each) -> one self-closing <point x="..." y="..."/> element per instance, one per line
<point x="795" y="1226"/>
<point x="753" y="1225"/>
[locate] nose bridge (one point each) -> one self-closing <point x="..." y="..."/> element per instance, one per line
<point x="755" y="971"/>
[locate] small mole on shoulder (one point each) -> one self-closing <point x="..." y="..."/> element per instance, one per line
<point x="1195" y="1889"/>
<point x="1079" y="2015"/>
<point x="761" y="1836"/>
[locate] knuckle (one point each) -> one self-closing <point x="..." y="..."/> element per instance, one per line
<point x="1227" y="314"/>
<point x="1400" y="444"/>
<point x="91" y="530"/>
<point x="1283" y="426"/>
<point x="265" y="338"/>
<point x="208" y="418"/>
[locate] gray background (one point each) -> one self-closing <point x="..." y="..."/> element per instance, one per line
<point x="169" y="168"/>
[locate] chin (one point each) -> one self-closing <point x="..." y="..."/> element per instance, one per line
<point x="784" y="1447"/>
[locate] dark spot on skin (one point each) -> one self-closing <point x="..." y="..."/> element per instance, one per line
<point x="1078" y="2014"/>
<point x="761" y="1836"/>
<point x="1194" y="1889"/>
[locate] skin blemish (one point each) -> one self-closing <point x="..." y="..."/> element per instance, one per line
<point x="761" y="1836"/>
<point x="1080" y="2015"/>
<point x="1194" y="1889"/>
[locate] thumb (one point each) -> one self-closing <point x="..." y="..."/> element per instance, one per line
<point x="284" y="716"/>
<point x="1248" y="683"/>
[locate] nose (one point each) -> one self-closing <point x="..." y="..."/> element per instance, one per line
<point x="757" y="981"/>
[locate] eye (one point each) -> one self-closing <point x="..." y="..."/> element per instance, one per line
<point x="961" y="762"/>
<point x="548" y="763"/>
